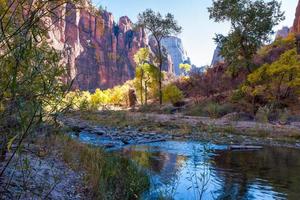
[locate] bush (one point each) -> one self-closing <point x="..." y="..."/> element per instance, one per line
<point x="196" y="110"/>
<point x="77" y="100"/>
<point x="263" y="114"/>
<point x="283" y="116"/>
<point x="237" y="95"/>
<point x="215" y="110"/>
<point x="172" y="94"/>
<point x="83" y="100"/>
<point x="210" y="109"/>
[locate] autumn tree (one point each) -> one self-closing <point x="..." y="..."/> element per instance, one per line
<point x="251" y="25"/>
<point x="275" y="82"/>
<point x="159" y="27"/>
<point x="141" y="58"/>
<point x="147" y="74"/>
<point x="186" y="68"/>
<point x="172" y="94"/>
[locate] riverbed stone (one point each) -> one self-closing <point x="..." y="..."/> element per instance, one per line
<point x="99" y="131"/>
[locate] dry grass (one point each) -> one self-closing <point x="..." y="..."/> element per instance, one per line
<point x="109" y="176"/>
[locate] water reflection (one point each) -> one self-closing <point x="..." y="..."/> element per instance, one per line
<point x="265" y="174"/>
<point x="192" y="170"/>
<point x="195" y="170"/>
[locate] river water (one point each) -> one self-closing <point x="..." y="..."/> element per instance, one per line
<point x="196" y="170"/>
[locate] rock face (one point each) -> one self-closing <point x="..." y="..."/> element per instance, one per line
<point x="296" y="25"/>
<point x="174" y="48"/>
<point x="217" y="58"/>
<point x="168" y="63"/>
<point x="98" y="52"/>
<point x="283" y="33"/>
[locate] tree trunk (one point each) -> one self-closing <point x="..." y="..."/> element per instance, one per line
<point x="253" y="105"/>
<point x="160" y="84"/>
<point x="3" y="147"/>
<point x="142" y="75"/>
<point x="146" y="92"/>
<point x="160" y="72"/>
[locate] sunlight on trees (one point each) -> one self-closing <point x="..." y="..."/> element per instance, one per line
<point x="159" y="27"/>
<point x="275" y="82"/>
<point x="185" y="67"/>
<point x="146" y="76"/>
<point x="84" y="100"/>
<point x="251" y="25"/>
<point x="172" y="94"/>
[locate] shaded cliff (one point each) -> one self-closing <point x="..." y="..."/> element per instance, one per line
<point x="98" y="51"/>
<point x="217" y="57"/>
<point x="296" y="25"/>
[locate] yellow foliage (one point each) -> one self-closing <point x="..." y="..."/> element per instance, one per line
<point x="171" y="93"/>
<point x="276" y="80"/>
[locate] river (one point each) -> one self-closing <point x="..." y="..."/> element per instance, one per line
<point x="198" y="170"/>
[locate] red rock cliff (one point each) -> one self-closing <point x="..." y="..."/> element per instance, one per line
<point x="296" y="25"/>
<point x="98" y="51"/>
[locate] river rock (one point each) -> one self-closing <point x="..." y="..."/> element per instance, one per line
<point x="99" y="131"/>
<point x="297" y="124"/>
<point x="237" y="116"/>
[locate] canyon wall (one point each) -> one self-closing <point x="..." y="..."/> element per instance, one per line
<point x="296" y="25"/>
<point x="97" y="51"/>
<point x="175" y="49"/>
<point x="217" y="58"/>
<point x="283" y="32"/>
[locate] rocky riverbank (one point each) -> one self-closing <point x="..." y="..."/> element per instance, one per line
<point x="119" y="129"/>
<point x="35" y="174"/>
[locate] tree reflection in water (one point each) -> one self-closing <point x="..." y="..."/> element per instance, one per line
<point x="253" y="174"/>
<point x="195" y="170"/>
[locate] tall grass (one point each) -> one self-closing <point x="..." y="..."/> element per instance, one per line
<point x="109" y="176"/>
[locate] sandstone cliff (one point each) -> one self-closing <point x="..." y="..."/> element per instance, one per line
<point x="296" y="25"/>
<point x="283" y="33"/>
<point x="174" y="48"/>
<point x="98" y="51"/>
<point x="217" y="58"/>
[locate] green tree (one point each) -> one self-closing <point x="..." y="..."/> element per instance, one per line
<point x="251" y="24"/>
<point x="159" y="27"/>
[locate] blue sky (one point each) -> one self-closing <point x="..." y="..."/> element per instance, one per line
<point x="192" y="15"/>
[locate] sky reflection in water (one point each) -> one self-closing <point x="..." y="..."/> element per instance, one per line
<point x="194" y="170"/>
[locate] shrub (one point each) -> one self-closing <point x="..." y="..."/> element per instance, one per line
<point x="99" y="98"/>
<point x="210" y="109"/>
<point x="283" y="116"/>
<point x="196" y="110"/>
<point x="262" y="114"/>
<point x="172" y="94"/>
<point x="213" y="110"/>
<point x="237" y="95"/>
